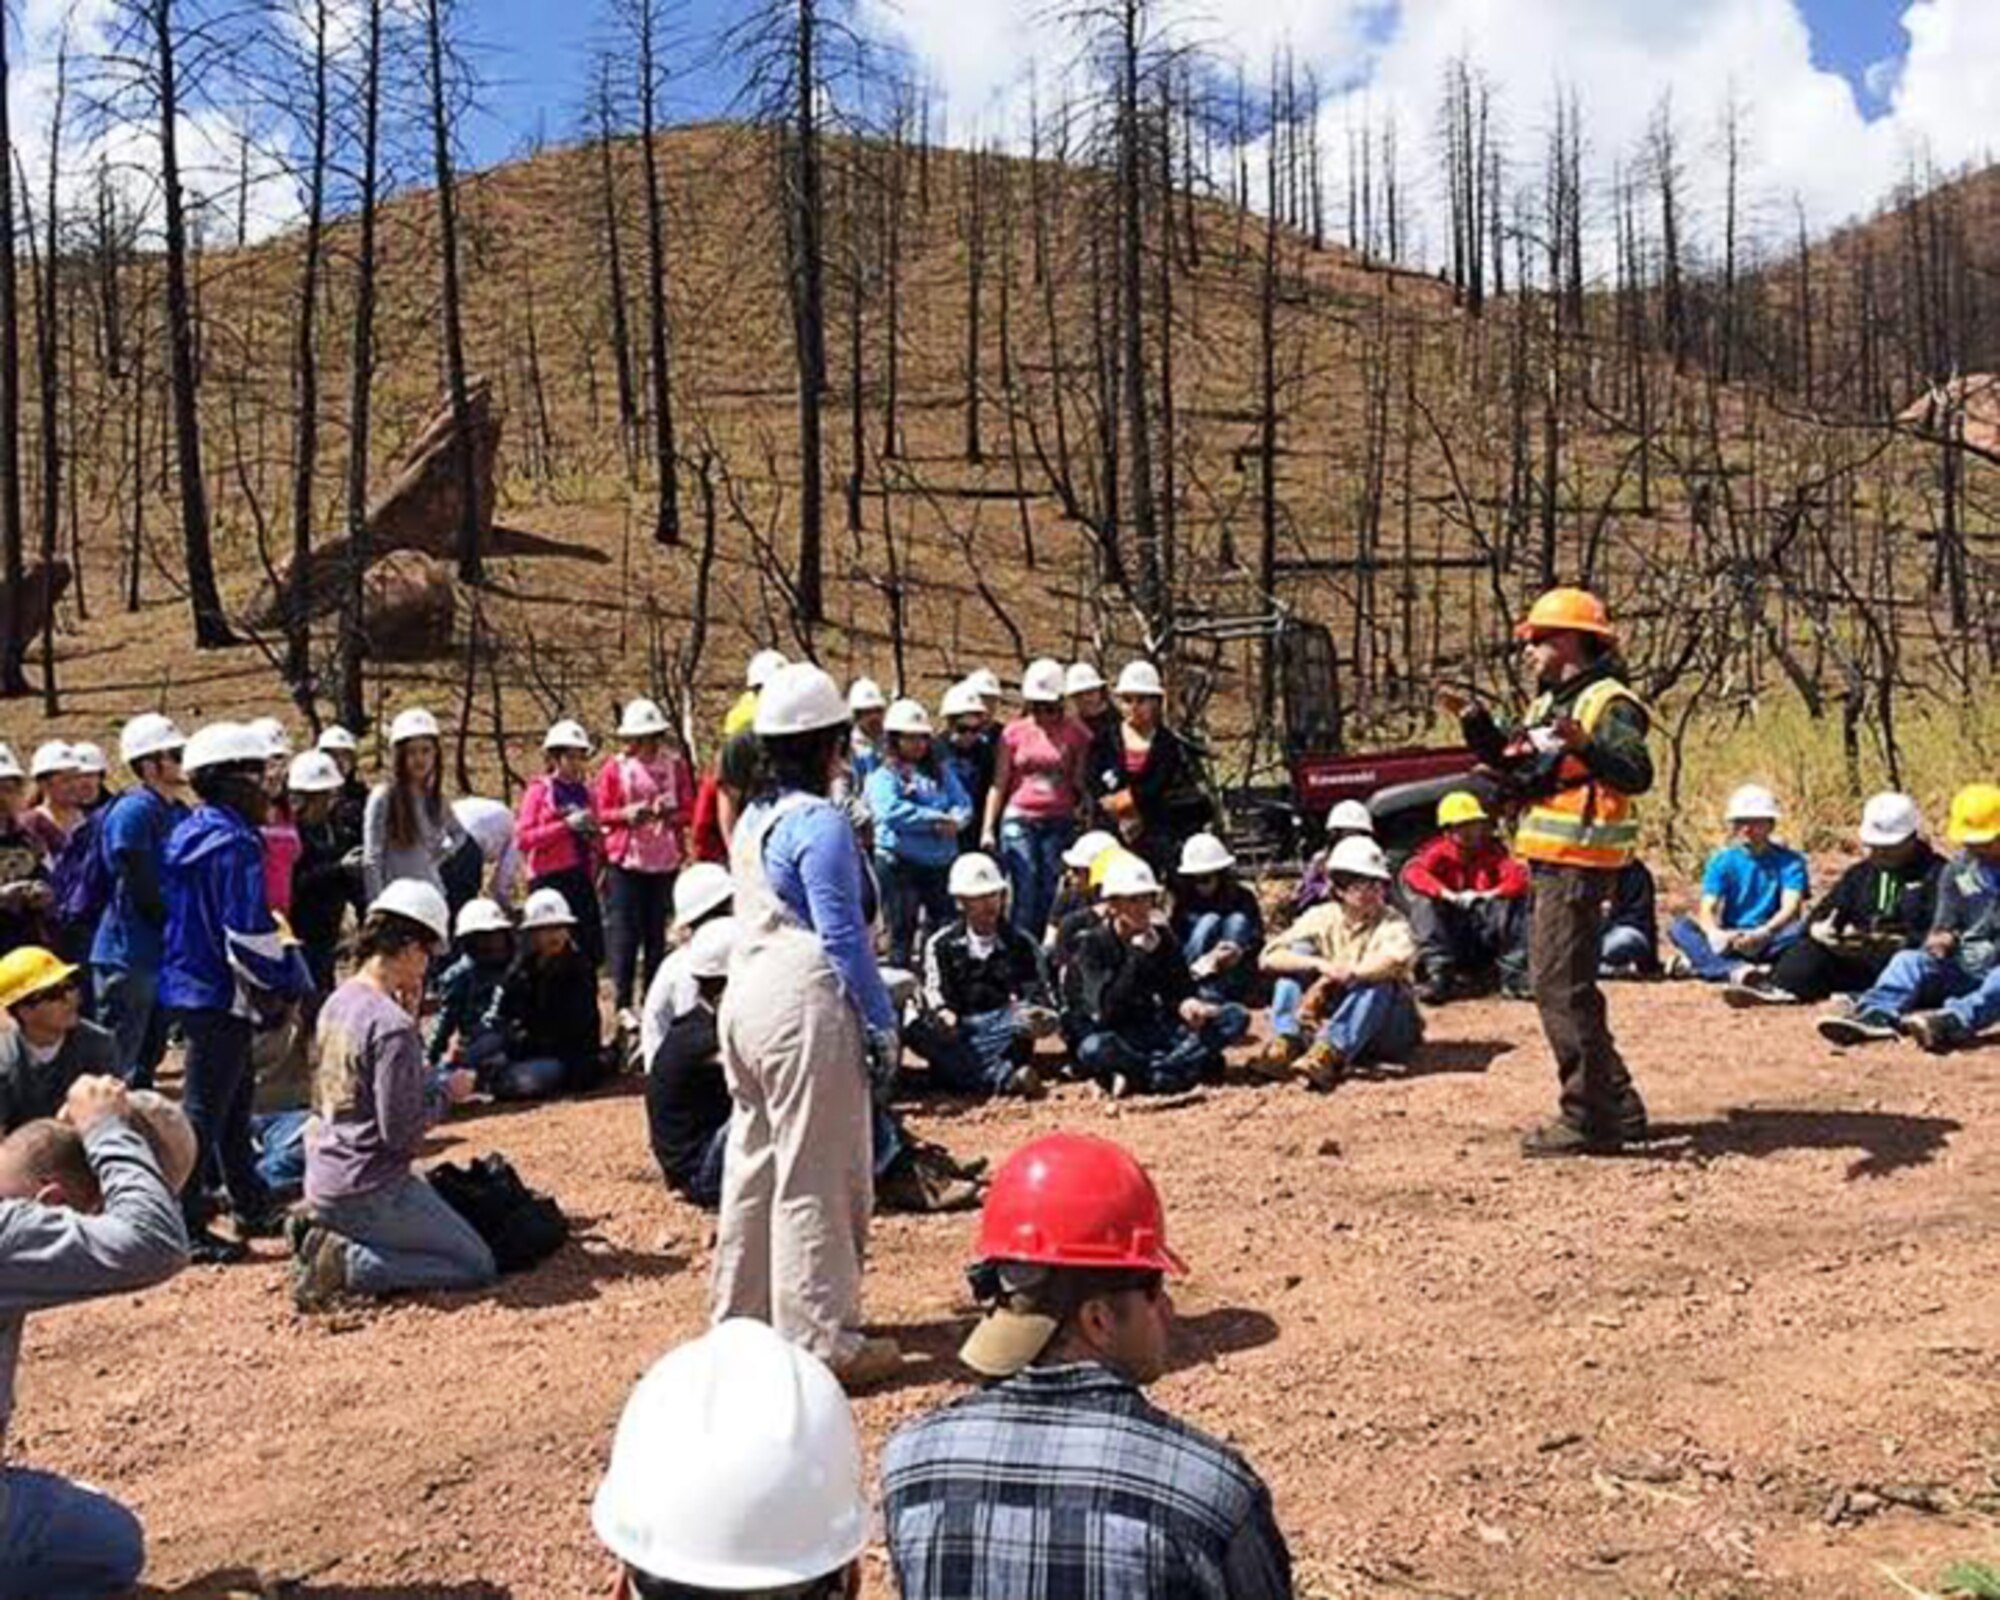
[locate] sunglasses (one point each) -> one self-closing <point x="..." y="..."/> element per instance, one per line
<point x="66" y="990"/>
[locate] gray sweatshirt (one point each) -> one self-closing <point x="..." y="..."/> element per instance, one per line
<point x="52" y="1256"/>
<point x="382" y="863"/>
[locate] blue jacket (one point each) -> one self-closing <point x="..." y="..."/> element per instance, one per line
<point x="219" y="924"/>
<point x="907" y="805"/>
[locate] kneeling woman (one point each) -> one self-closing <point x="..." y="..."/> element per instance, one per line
<point x="375" y="1225"/>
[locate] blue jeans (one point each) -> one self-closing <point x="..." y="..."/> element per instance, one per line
<point x="1915" y="980"/>
<point x="1031" y="856"/>
<point x="886" y="1135"/>
<point x="61" y="1541"/>
<point x="525" y="1080"/>
<point x="404" y="1236"/>
<point x="128" y="1003"/>
<point x="1374" y="1022"/>
<point x="218" y="1097"/>
<point x="1163" y="1055"/>
<point x="977" y="1056"/>
<point x="912" y="894"/>
<point x="1211" y="928"/>
<point x="281" y="1152"/>
<point x="1687" y="937"/>
<point x="1624" y="950"/>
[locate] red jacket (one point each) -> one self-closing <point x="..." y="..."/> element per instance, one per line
<point x="1442" y="867"/>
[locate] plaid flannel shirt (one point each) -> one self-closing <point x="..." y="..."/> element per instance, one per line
<point x="1064" y="1483"/>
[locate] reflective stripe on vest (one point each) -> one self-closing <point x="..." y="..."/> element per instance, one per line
<point x="1586" y="823"/>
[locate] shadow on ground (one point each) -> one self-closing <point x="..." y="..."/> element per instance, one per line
<point x="244" y="1583"/>
<point x="1888" y="1141"/>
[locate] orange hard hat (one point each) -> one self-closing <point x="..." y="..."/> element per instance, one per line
<point x="1567" y="611"/>
<point x="1074" y="1200"/>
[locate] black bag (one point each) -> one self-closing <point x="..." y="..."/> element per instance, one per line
<point x="521" y="1228"/>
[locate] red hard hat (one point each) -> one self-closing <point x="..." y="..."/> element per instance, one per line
<point x="1074" y="1200"/>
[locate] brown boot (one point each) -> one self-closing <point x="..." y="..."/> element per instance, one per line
<point x="1324" y="1066"/>
<point x="873" y="1361"/>
<point x="1274" y="1061"/>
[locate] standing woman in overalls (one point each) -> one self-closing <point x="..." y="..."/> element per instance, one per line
<point x="804" y="1019"/>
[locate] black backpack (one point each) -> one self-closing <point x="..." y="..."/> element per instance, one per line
<point x="521" y="1228"/>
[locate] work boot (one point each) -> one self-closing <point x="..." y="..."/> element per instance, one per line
<point x="1936" y="1031"/>
<point x="1273" y="1061"/>
<point x="207" y="1248"/>
<point x="938" y="1157"/>
<point x="1026" y="1084"/>
<point x="1554" y="1140"/>
<point x="921" y="1186"/>
<point x="1851" y="1025"/>
<point x="1436" y="988"/>
<point x="874" y="1361"/>
<point x="1323" y="1066"/>
<point x="319" y="1270"/>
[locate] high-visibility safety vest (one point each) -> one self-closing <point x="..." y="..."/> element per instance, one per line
<point x="1586" y="822"/>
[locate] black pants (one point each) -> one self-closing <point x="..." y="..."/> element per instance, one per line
<point x="1813" y="971"/>
<point x="218" y="1093"/>
<point x="1488" y="938"/>
<point x="1597" y="1092"/>
<point x="635" y="928"/>
<point x="581" y="893"/>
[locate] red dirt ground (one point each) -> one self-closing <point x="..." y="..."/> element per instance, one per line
<point x="1758" y="1360"/>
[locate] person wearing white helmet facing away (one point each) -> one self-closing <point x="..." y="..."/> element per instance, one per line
<point x="126" y="952"/>
<point x="919" y="808"/>
<point x="1146" y="779"/>
<point x="1218" y="920"/>
<point x="1753" y="898"/>
<point x="1039" y="797"/>
<point x="742" y="714"/>
<point x="869" y="707"/>
<point x="372" y="1225"/>
<point x="225" y="965"/>
<point x="1346" y="819"/>
<point x="1089" y="698"/>
<point x="321" y="885"/>
<point x="559" y="835"/>
<point x="644" y="800"/>
<point x="1883" y="904"/>
<point x="806" y="1027"/>
<point x="735" y="1471"/>
<point x="986" y="995"/>
<point x="546" y="1009"/>
<point x="407" y="831"/>
<point x="967" y="746"/>
<point x="1135" y="1019"/>
<point x="687" y="1094"/>
<point x="1344" y="973"/>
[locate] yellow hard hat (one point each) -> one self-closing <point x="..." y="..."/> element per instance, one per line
<point x="1107" y="862"/>
<point x="1975" y="814"/>
<point x="1567" y="611"/>
<point x="1461" y="805"/>
<point x="29" y="971"/>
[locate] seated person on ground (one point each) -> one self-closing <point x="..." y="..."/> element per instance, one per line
<point x="703" y="893"/>
<point x="1753" y="898"/>
<point x="1133" y="1018"/>
<point x="469" y="990"/>
<point x="88" y="1208"/>
<point x="1947" y="992"/>
<point x="1217" y="920"/>
<point x="1882" y="904"/>
<point x="373" y="1225"/>
<point x="50" y="1046"/>
<point x="1350" y="819"/>
<point x="1074" y="890"/>
<point x="546" y="1009"/>
<point x="1344" y="971"/>
<point x="1059" y="1476"/>
<point x="1629" y="946"/>
<point x="986" y="997"/>
<point x="736" y="1470"/>
<point x="1468" y="906"/>
<point x="687" y="1093"/>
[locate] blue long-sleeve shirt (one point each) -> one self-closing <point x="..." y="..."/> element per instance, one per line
<point x="815" y="869"/>
<point x="219" y="922"/>
<point x="908" y="805"/>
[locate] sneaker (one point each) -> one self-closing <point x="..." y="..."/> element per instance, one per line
<point x="1555" y="1140"/>
<point x="1936" y="1031"/>
<point x="873" y="1361"/>
<point x="1274" y="1060"/>
<point x="1026" y="1084"/>
<point x="1677" y="966"/>
<point x="1852" y="1026"/>
<point x="1755" y="989"/>
<point x="319" y="1270"/>
<point x="1323" y="1067"/>
<point x="207" y="1248"/>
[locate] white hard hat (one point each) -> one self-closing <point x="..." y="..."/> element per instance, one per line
<point x="1082" y="855"/>
<point x="865" y="694"/>
<point x="1042" y="683"/>
<point x="712" y="946"/>
<point x="90" y="758"/>
<point x="312" y="772"/>
<point x="422" y="903"/>
<point x="1890" y="819"/>
<point x="1129" y="877"/>
<point x="335" y="739"/>
<point x="799" y="699"/>
<point x="416" y="723"/>
<point x="223" y="744"/>
<point x="962" y="700"/>
<point x="699" y="890"/>
<point x="907" y="716"/>
<point x="1351" y="816"/>
<point x="1082" y="678"/>
<point x="975" y="874"/>
<point x="736" y="1466"/>
<point x="148" y="734"/>
<point x="985" y="683"/>
<point x="1203" y="854"/>
<point x="10" y="766"/>
<point x="1751" y="803"/>
<point x="643" y="719"/>
<point x="53" y="757"/>
<point x="566" y="734"/>
<point x="1141" y="677"/>
<point x="1358" y="858"/>
<point x="764" y="666"/>
<point x="481" y="916"/>
<point x="546" y="908"/>
<point x="276" y="740"/>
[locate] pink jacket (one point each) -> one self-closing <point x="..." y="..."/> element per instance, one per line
<point x="654" y="844"/>
<point x="541" y="834"/>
